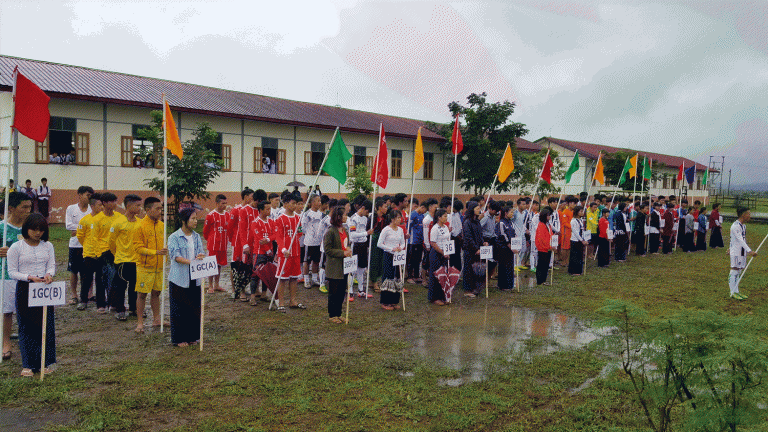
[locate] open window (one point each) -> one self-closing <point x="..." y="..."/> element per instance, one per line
<point x="314" y="159"/>
<point x="266" y="158"/>
<point x="59" y="148"/>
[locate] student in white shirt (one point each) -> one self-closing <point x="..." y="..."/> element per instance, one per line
<point x="578" y="243"/>
<point x="439" y="236"/>
<point x="739" y="251"/>
<point x="359" y="230"/>
<point x="74" y="213"/>
<point x="312" y="227"/>
<point x="391" y="241"/>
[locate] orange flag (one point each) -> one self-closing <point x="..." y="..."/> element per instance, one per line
<point x="599" y="172"/>
<point x="506" y="166"/>
<point x="172" y="141"/>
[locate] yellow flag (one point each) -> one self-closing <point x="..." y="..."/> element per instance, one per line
<point x="172" y="141"/>
<point x="633" y="170"/>
<point x="507" y="165"/>
<point x="418" y="153"/>
<point x="599" y="172"/>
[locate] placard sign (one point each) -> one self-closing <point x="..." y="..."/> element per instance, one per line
<point x="449" y="248"/>
<point x="587" y="235"/>
<point x="695" y="226"/>
<point x="398" y="258"/>
<point x="42" y="294"/>
<point x="647" y="229"/>
<point x="350" y="264"/>
<point x="516" y="244"/>
<point x="555" y="241"/>
<point x="662" y="223"/>
<point x="676" y="226"/>
<point x="609" y="234"/>
<point x="205" y="267"/>
<point x="486" y="252"/>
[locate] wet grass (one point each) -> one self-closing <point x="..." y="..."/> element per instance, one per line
<point x="262" y="371"/>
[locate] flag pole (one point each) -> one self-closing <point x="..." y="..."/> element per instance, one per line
<point x="4" y="264"/>
<point x="373" y="211"/>
<point x="408" y="213"/>
<point x="750" y="260"/>
<point x="293" y="237"/>
<point x="493" y="185"/>
<point x="163" y="291"/>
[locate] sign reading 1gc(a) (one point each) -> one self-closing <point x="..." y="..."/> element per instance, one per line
<point x="42" y="294"/>
<point x="203" y="268"/>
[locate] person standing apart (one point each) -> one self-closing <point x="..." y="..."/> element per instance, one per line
<point x="739" y="250"/>
<point x="184" y="245"/>
<point x="337" y="247"/>
<point x="122" y="247"/>
<point x="150" y="248"/>
<point x="43" y="197"/>
<point x="391" y="240"/>
<point x="19" y="208"/>
<point x="32" y="260"/>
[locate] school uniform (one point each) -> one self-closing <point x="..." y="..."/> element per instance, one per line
<point x="456" y="226"/>
<point x="473" y="239"/>
<point x="287" y="267"/>
<point x="358" y="237"/>
<point x="505" y="232"/>
<point x="701" y="233"/>
<point x="543" y="242"/>
<point x="388" y="241"/>
<point x="184" y="292"/>
<point x="416" y="244"/>
<point x="620" y="236"/>
<point x="576" y="260"/>
<point x="716" y="225"/>
<point x="667" y="232"/>
<point x="654" y="232"/>
<point x="440" y="235"/>
<point x="43" y="199"/>
<point x="688" y="239"/>
<point x="603" y="244"/>
<point x="122" y="247"/>
<point x="215" y="231"/>
<point x="638" y="235"/>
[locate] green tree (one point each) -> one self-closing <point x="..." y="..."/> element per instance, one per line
<point x="189" y="177"/>
<point x="613" y="165"/>
<point x="359" y="183"/>
<point x="486" y="132"/>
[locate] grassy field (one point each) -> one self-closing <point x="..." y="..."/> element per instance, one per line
<point x="264" y="371"/>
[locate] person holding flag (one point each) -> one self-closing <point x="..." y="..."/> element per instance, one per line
<point x="739" y="250"/>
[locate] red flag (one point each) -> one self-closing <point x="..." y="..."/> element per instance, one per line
<point x="31" y="117"/>
<point x="380" y="172"/>
<point x="458" y="143"/>
<point x="546" y="172"/>
<point x="680" y="173"/>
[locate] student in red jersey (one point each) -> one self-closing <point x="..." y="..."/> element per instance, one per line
<point x="543" y="246"/>
<point x="288" y="258"/>
<point x="259" y="242"/>
<point x="603" y="243"/>
<point x="237" y="231"/>
<point x="216" y="238"/>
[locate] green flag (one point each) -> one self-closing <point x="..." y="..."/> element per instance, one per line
<point x="336" y="163"/>
<point x="625" y="171"/>
<point x="704" y="179"/>
<point x="573" y="168"/>
<point x="646" y="168"/>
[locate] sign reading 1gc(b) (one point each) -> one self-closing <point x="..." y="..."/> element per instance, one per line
<point x="205" y="267"/>
<point x="42" y="294"/>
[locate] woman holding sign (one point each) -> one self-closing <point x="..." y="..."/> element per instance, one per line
<point x="32" y="260"/>
<point x="505" y="232"/>
<point x="337" y="247"/>
<point x="439" y="236"/>
<point x="391" y="241"/>
<point x="184" y="245"/>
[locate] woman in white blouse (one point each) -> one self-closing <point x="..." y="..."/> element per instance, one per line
<point x="32" y="260"/>
<point x="576" y="261"/>
<point x="439" y="236"/>
<point x="391" y="240"/>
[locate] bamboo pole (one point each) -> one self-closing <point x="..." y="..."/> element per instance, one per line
<point x="373" y="213"/>
<point x="4" y="263"/>
<point x="45" y="334"/>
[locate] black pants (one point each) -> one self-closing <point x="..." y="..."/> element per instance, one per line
<point x="701" y="240"/>
<point x="125" y="279"/>
<point x="336" y="290"/>
<point x="603" y="252"/>
<point x="506" y="260"/>
<point x="491" y="242"/>
<point x="435" y="290"/>
<point x="103" y="268"/>
<point x="42" y="207"/>
<point x="185" y="313"/>
<point x="667" y="242"/>
<point x="716" y="238"/>
<point x="653" y="243"/>
<point x="689" y="244"/>
<point x="639" y="240"/>
<point x="471" y="282"/>
<point x="622" y="245"/>
<point x="455" y="259"/>
<point x="576" y="260"/>
<point x="30" y="321"/>
<point x="542" y="268"/>
<point x="415" y="252"/>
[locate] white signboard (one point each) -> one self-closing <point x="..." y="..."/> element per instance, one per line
<point x="42" y="294"/>
<point x="676" y="226"/>
<point x="486" y="252"/>
<point x="449" y="248"/>
<point x="587" y="235"/>
<point x="695" y="226"/>
<point x="350" y="264"/>
<point x="647" y="229"/>
<point x="398" y="258"/>
<point x="662" y="223"/>
<point x="609" y="234"/>
<point x="720" y="220"/>
<point x="205" y="267"/>
<point x="555" y="241"/>
<point x="516" y="244"/>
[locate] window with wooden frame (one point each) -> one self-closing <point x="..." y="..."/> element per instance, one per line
<point x="257" y="165"/>
<point x="82" y="148"/>
<point x="429" y="160"/>
<point x="369" y="163"/>
<point x="41" y="152"/>
<point x="314" y="158"/>
<point x="61" y="141"/>
<point x="281" y="159"/>
<point x="674" y="183"/>
<point x="126" y="151"/>
<point x="396" y="164"/>
<point x="226" y="157"/>
<point x="664" y="182"/>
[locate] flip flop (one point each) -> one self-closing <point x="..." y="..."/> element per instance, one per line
<point x="27" y="373"/>
<point x="7" y="355"/>
<point x="138" y="330"/>
<point x="298" y="306"/>
<point x="282" y="309"/>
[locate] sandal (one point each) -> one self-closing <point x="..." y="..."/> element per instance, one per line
<point x="298" y="306"/>
<point x="282" y="309"/>
<point x="182" y="344"/>
<point x="73" y="301"/>
<point x="7" y="354"/>
<point x="139" y="330"/>
<point x="27" y="373"/>
<point x="254" y="302"/>
<point x="387" y="307"/>
<point x="469" y="295"/>
<point x="335" y="320"/>
<point x="47" y="371"/>
<point x="210" y="291"/>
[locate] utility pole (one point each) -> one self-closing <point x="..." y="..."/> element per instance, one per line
<point x="729" y="182"/>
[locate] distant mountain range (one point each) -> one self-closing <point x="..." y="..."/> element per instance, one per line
<point x="758" y="187"/>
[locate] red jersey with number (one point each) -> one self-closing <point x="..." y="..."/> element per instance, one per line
<point x="261" y="229"/>
<point x="285" y="226"/>
<point x="215" y="231"/>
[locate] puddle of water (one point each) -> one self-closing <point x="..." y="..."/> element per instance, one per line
<point x="469" y="336"/>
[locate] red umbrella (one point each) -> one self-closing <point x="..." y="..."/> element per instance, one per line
<point x="267" y="272"/>
<point x="448" y="278"/>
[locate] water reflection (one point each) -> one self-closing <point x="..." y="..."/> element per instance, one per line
<point x="468" y="336"/>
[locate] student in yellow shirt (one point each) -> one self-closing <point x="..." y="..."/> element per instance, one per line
<point x="86" y="236"/>
<point x="105" y="270"/>
<point x="593" y="219"/>
<point x="121" y="245"/>
<point x="150" y="249"/>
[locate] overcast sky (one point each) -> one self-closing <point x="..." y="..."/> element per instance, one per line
<point x="680" y="77"/>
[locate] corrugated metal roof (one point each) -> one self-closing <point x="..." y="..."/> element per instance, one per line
<point x="527" y="146"/>
<point x="592" y="150"/>
<point x="76" y="82"/>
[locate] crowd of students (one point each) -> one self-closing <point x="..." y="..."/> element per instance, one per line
<point x="276" y="242"/>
